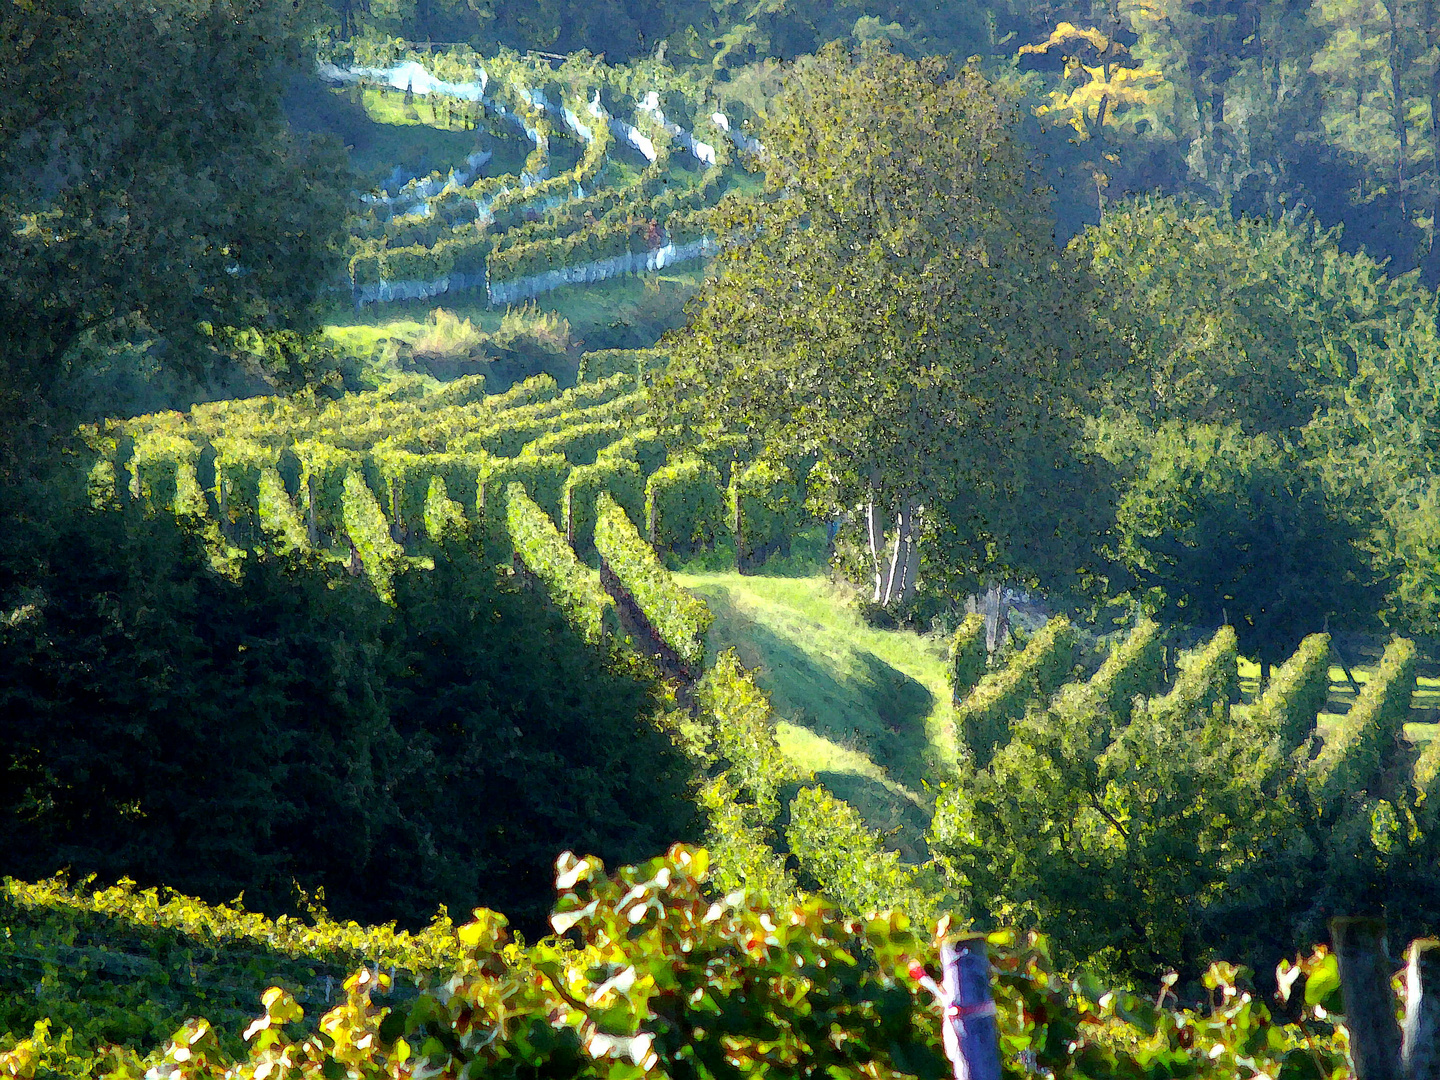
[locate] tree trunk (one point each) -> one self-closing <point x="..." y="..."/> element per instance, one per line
<point x="898" y="554"/>
<point x="875" y="536"/>
<point x="1365" y="988"/>
<point x="1420" y="1052"/>
<point x="912" y="560"/>
<point x="1430" y="16"/>
<point x="312" y="526"/>
<point x="992" y="618"/>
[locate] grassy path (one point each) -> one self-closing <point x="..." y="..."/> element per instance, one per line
<point x="868" y="711"/>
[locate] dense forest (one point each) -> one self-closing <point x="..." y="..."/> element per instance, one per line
<point x="973" y="462"/>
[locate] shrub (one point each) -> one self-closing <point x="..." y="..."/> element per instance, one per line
<point x="684" y="507"/>
<point x="678" y="618"/>
<point x="967" y="655"/>
<point x="573" y="586"/>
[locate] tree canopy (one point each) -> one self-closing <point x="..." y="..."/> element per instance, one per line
<point x="148" y="181"/>
<point x="893" y="305"/>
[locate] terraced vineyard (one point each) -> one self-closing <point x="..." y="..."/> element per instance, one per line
<point x="573" y="490"/>
<point x="554" y="175"/>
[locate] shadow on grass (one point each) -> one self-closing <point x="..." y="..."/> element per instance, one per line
<point x="897" y="819"/>
<point x="873" y="707"/>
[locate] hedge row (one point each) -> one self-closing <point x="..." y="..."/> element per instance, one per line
<point x="680" y="619"/>
<point x="644" y="364"/>
<point x="542" y="475"/>
<point x="369" y="533"/>
<point x="278" y="516"/>
<point x="968" y="656"/>
<point x="573" y="586"/>
<point x="407" y="479"/>
<point x="619" y="477"/>
<point x="684" y="506"/>
<point x="163" y="474"/>
<point x="1134" y="669"/>
<point x="765" y="504"/>
<point x="646" y="447"/>
<point x="985" y="715"/>
<point x="580" y="443"/>
<point x="1297" y="692"/>
<point x="1357" y="754"/>
<point x="1211" y="681"/>
<point x="444" y="517"/>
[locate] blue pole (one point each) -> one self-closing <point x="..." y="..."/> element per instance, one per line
<point x="972" y="1041"/>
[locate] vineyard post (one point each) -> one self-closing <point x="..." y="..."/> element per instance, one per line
<point x="971" y="1038"/>
<point x="1420" y="1052"/>
<point x="1365" y="989"/>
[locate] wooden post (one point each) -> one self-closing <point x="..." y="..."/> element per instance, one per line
<point x="1420" y="1052"/>
<point x="971" y="1040"/>
<point x="1369" y="1005"/>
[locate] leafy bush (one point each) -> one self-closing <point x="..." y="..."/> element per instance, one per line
<point x="684" y="507"/>
<point x="985" y="715"/>
<point x="680" y="619"/>
<point x="572" y="585"/>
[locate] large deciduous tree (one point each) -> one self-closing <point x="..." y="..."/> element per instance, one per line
<point x="894" y="304"/>
<point x="148" y="178"/>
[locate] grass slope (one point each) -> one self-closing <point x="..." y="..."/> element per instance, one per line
<point x="868" y="711"/>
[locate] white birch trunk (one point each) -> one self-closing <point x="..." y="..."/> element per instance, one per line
<point x="894" y="571"/>
<point x="875" y="535"/>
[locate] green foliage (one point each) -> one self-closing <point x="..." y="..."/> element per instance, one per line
<point x="643" y="363"/>
<point x="323" y="468"/>
<point x="743" y="733"/>
<point x="369" y="532"/>
<point x="619" y="477"/>
<point x="765" y="504"/>
<point x="579" y="442"/>
<point x="1146" y="848"/>
<point x="1357" y="755"/>
<point x="163" y="474"/>
<point x="572" y="585"/>
<point x="684" y="506"/>
<point x="680" y="619"/>
<point x="836" y="849"/>
<point x="1296" y="693"/>
<point x="900" y="317"/>
<point x="444" y="517"/>
<point x="216" y="220"/>
<point x="409" y="477"/>
<point x="744" y="802"/>
<point x="660" y="975"/>
<point x="743" y="844"/>
<point x="542" y="475"/>
<point x="1229" y="321"/>
<point x="967" y="656"/>
<point x="1133" y="669"/>
<point x="278" y="517"/>
<point x="169" y="725"/>
<point x="646" y="447"/>
<point x="1209" y="684"/>
<point x="1228" y="527"/>
<point x="984" y="716"/>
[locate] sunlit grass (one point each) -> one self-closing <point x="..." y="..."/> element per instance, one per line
<point x="867" y="710"/>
